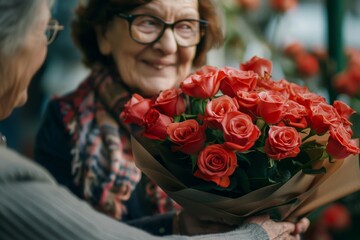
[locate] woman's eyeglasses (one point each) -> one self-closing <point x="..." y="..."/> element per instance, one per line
<point x="147" y="29"/>
<point x="53" y="30"/>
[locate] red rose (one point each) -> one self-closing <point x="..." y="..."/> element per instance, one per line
<point x="340" y="145"/>
<point x="203" y="84"/>
<point x="216" y="163"/>
<point x="309" y="98"/>
<point x="282" y="142"/>
<point x="282" y="87"/>
<point x="188" y="136"/>
<point x="170" y="102"/>
<point x="271" y="106"/>
<point x="261" y="66"/>
<point x="248" y="102"/>
<point x="344" y="110"/>
<point x="236" y="80"/>
<point x="295" y="115"/>
<point x="239" y="131"/>
<point x="322" y="116"/>
<point x="217" y="108"/>
<point x="283" y="5"/>
<point x="295" y="90"/>
<point x="135" y="110"/>
<point x="156" y="124"/>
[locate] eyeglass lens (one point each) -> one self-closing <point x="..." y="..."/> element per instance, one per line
<point x="147" y="29"/>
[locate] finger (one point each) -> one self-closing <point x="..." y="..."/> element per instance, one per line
<point x="302" y="226"/>
<point x="287" y="227"/>
<point x="279" y="230"/>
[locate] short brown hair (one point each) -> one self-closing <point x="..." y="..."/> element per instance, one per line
<point x="96" y="13"/>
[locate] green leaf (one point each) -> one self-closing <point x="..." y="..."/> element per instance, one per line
<point x="198" y="106"/>
<point x="279" y="176"/>
<point x="258" y="170"/>
<point x="243" y="158"/>
<point x="194" y="161"/>
<point x="217" y="133"/>
<point x="260" y="123"/>
<point x="177" y="119"/>
<point x="242" y="180"/>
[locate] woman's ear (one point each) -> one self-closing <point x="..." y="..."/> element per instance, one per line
<point x="104" y="45"/>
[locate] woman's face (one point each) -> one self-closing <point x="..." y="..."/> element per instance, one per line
<point x="149" y="69"/>
<point x="17" y="70"/>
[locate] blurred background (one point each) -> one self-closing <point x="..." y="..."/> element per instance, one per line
<point x="315" y="43"/>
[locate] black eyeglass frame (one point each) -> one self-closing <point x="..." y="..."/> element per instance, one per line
<point x="131" y="17"/>
<point x="55" y="26"/>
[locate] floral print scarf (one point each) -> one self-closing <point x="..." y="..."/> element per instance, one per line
<point x="102" y="164"/>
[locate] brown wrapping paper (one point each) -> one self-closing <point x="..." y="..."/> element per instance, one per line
<point x="302" y="194"/>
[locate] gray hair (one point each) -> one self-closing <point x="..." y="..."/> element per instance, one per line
<point x="16" y="17"/>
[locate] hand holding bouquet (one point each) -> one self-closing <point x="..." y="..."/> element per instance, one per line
<point x="234" y="142"/>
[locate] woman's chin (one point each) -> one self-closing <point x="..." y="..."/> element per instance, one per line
<point x="154" y="90"/>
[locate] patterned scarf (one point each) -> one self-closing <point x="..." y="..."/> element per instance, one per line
<point x="102" y="164"/>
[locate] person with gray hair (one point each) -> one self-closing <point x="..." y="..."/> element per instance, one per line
<point x="32" y="204"/>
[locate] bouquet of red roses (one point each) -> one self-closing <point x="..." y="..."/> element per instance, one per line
<point x="234" y="142"/>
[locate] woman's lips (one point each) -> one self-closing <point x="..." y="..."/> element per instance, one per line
<point x="158" y="65"/>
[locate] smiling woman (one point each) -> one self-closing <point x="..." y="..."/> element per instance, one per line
<point x="131" y="47"/>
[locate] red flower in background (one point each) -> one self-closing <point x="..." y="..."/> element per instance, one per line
<point x="248" y="4"/>
<point x="283" y="5"/>
<point x="348" y="81"/>
<point x="307" y="64"/>
<point x="336" y="217"/>
<point x="293" y="49"/>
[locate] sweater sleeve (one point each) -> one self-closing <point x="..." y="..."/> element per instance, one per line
<point x="35" y="210"/>
<point x="33" y="206"/>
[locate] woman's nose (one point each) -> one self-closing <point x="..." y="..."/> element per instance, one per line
<point x="167" y="43"/>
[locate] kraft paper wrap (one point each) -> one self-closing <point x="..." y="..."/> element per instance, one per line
<point x="299" y="196"/>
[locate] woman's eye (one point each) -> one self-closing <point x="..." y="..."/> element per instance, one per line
<point x="186" y="26"/>
<point x="148" y="23"/>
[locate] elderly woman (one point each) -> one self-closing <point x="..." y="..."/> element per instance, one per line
<point x="131" y="46"/>
<point x="32" y="205"/>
